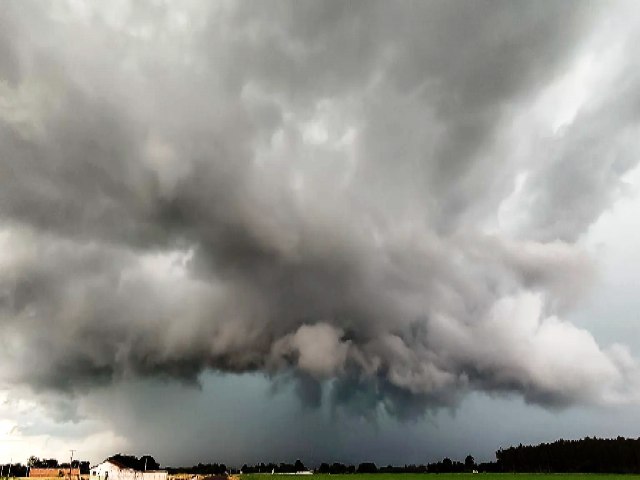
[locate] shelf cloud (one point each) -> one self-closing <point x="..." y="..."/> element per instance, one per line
<point x="380" y="201"/>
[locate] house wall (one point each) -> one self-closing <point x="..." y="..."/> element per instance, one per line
<point x="154" y="475"/>
<point x="53" y="472"/>
<point x="109" y="471"/>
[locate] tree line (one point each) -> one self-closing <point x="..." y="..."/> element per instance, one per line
<point x="445" y="466"/>
<point x="145" y="462"/>
<point x="588" y="455"/>
<point x="21" y="470"/>
<point x="201" y="469"/>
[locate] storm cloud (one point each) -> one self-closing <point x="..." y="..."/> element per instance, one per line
<point x="372" y="198"/>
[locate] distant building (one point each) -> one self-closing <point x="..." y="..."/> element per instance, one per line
<point x="112" y="469"/>
<point x="54" y="472"/>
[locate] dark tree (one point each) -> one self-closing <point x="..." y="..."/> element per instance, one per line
<point x="149" y="463"/>
<point x="84" y="467"/>
<point x="15" y="469"/>
<point x="589" y="455"/>
<point x="367" y="467"/>
<point x="469" y="463"/>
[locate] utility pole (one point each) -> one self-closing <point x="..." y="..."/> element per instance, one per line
<point x="71" y="462"/>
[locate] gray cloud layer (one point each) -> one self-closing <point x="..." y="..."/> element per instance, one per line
<point x="305" y="189"/>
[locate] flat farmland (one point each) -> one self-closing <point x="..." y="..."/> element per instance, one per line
<point x="456" y="476"/>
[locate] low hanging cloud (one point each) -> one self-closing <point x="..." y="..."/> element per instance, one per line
<point x="309" y="189"/>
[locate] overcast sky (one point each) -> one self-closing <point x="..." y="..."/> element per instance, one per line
<point x="339" y="230"/>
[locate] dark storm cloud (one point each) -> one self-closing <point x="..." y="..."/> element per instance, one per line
<point x="297" y="188"/>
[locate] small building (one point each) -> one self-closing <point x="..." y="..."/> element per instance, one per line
<point x="112" y="469"/>
<point x="53" y="472"/>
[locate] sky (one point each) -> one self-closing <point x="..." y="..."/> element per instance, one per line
<point x="334" y="231"/>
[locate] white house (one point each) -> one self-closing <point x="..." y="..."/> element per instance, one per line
<point x="112" y="469"/>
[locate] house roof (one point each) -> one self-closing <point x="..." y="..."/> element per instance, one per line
<point x="120" y="464"/>
<point x="129" y="462"/>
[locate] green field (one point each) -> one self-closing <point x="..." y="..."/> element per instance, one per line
<point x="454" y="476"/>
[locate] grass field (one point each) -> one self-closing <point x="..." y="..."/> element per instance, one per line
<point x="454" y="476"/>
